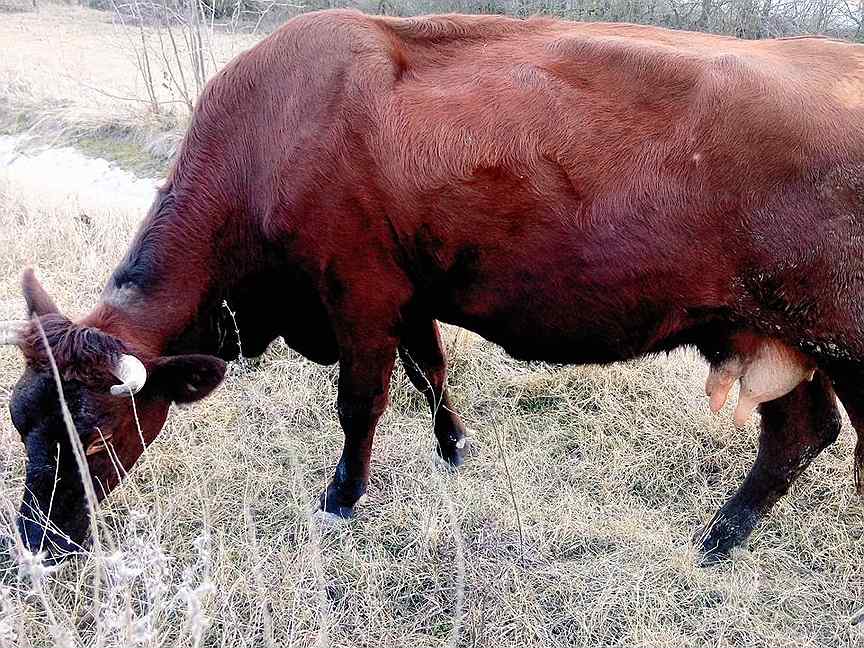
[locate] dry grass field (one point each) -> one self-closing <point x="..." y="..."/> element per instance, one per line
<point x="569" y="525"/>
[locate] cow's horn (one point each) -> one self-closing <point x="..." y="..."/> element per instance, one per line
<point x="11" y="331"/>
<point x="131" y="372"/>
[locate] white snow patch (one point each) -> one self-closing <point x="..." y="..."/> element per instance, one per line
<point x="64" y="175"/>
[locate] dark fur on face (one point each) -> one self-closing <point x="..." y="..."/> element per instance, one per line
<point x="81" y="353"/>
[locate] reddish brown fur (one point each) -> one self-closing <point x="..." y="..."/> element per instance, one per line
<point x="574" y="192"/>
<point x="583" y="127"/>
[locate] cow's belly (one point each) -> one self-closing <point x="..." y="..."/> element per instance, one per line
<point x="577" y="341"/>
<point x="569" y="294"/>
<point x="573" y="322"/>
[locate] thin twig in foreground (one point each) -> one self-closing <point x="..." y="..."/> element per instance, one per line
<point x="512" y="495"/>
<point x="83" y="472"/>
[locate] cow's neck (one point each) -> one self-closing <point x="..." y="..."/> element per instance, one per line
<point x="169" y="293"/>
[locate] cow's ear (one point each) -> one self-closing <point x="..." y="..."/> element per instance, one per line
<point x="38" y="301"/>
<point x="185" y="378"/>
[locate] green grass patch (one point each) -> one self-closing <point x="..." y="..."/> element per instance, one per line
<point x="125" y="151"/>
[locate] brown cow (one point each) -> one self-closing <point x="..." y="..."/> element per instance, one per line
<point x="577" y="193"/>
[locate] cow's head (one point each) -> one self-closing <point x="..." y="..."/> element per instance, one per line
<point x="105" y="383"/>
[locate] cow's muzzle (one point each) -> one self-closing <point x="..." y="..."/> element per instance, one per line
<point x="54" y="518"/>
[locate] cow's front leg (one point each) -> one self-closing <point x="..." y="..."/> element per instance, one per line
<point x="795" y="429"/>
<point x="364" y="381"/>
<point x="426" y="365"/>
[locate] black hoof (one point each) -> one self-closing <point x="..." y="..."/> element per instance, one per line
<point x="340" y="501"/>
<point x="713" y="557"/>
<point x="725" y="531"/>
<point x="453" y="456"/>
<point x="343" y="512"/>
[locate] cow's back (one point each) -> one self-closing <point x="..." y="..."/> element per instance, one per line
<point x="428" y="100"/>
<point x="475" y="90"/>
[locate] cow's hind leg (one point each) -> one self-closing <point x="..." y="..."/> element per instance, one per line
<point x="795" y="429"/>
<point x="851" y="393"/>
<point x="426" y="365"/>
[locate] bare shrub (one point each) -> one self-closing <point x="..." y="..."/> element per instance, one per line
<point x="172" y="48"/>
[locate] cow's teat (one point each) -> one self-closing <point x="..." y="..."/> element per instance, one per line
<point x="765" y="370"/>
